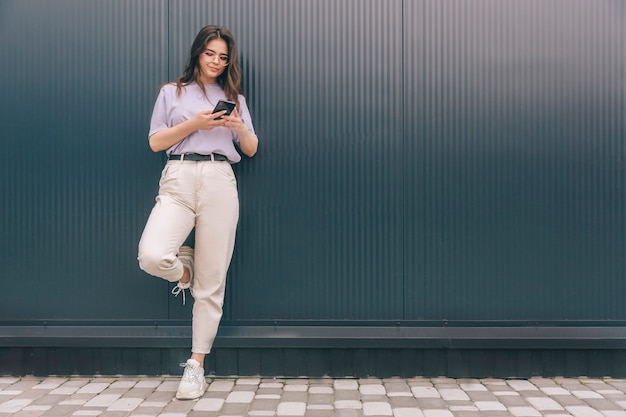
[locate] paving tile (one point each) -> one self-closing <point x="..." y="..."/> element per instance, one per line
<point x="463" y="408"/>
<point x="271" y="385"/>
<point x="473" y="386"/>
<point x="233" y="409"/>
<point x="544" y="404"/>
<point x="264" y="404"/>
<point x="294" y="397"/>
<point x="437" y="413"/>
<point x="179" y="406"/>
<point x="568" y="400"/>
<point x="431" y="403"/>
<point x="425" y="392"/>
<point x="244" y="397"/>
<point x="93" y="388"/>
<point x="173" y="415"/>
<point x="555" y="391"/>
<point x="348" y="413"/>
<point x="32" y="394"/>
<point x="267" y="397"/>
<point x="352" y="404"/>
<point x="125" y="404"/>
<point x="160" y="396"/>
<point x="514" y="401"/>
<point x="248" y="381"/>
<point x="377" y="409"/>
<point x="524" y="412"/>
<point x="50" y="383"/>
<point x="64" y="390"/>
<point x="63" y="410"/>
<point x="453" y="395"/>
<point x="318" y="413"/>
<point x="583" y="411"/>
<point x="37" y="408"/>
<point x="13" y="406"/>
<point x="372" y="389"/>
<point x="586" y="394"/>
<point x="124" y="383"/>
<point x="345" y="384"/>
<point x="296" y="388"/>
<point x="291" y="409"/>
<point x="320" y="390"/>
<point x="603" y="405"/>
<point x="8" y="380"/>
<point x="398" y="388"/>
<point x="521" y="385"/>
<point x="540" y="382"/>
<point x="223" y="386"/>
<point x="150" y="383"/>
<point x="402" y="402"/>
<point x="105" y="400"/>
<point x="490" y="406"/>
<point x="168" y="386"/>
<point x="9" y="393"/>
<point x="364" y="381"/>
<point x="614" y="413"/>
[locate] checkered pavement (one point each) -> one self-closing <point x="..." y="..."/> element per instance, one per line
<point x="372" y="397"/>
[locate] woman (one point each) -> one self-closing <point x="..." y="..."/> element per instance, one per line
<point x="198" y="187"/>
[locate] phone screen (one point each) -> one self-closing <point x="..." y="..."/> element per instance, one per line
<point x="229" y="106"/>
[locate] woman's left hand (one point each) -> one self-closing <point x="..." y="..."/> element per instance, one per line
<point x="234" y="123"/>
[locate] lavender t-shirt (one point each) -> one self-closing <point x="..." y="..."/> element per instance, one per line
<point x="170" y="110"/>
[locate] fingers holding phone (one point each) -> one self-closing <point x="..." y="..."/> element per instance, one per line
<point x="234" y="122"/>
<point x="207" y="120"/>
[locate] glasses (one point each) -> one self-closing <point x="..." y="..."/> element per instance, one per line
<point x="222" y="60"/>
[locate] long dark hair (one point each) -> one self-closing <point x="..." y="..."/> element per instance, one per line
<point x="230" y="79"/>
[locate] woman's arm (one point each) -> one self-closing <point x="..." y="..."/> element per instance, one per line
<point x="248" y="142"/>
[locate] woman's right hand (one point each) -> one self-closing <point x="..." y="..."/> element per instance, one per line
<point x="207" y="120"/>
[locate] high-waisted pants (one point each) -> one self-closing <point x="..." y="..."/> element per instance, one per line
<point x="200" y="194"/>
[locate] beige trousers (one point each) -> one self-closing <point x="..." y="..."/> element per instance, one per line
<point x="203" y="195"/>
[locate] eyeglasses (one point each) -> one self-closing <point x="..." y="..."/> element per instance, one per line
<point x="222" y="60"/>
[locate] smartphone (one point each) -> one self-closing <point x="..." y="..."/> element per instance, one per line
<point x="229" y="106"/>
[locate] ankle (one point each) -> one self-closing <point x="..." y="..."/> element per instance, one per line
<point x="199" y="357"/>
<point x="186" y="275"/>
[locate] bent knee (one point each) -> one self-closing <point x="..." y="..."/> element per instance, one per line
<point x="158" y="264"/>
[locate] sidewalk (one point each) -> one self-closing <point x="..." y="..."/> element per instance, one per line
<point x="414" y="397"/>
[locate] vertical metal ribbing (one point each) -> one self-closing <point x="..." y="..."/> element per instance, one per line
<point x="520" y="138"/>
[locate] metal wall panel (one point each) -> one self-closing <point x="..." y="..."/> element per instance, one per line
<point x="515" y="121"/>
<point x="78" y="179"/>
<point x="420" y="160"/>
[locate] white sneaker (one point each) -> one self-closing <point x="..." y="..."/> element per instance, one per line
<point x="185" y="255"/>
<point x="192" y="385"/>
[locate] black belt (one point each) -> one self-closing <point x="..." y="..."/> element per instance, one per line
<point x="198" y="157"/>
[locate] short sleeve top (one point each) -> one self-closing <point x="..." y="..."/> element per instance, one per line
<point x="170" y="110"/>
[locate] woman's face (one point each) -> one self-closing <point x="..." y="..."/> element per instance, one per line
<point x="214" y="60"/>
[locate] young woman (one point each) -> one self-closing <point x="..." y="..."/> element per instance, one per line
<point x="198" y="188"/>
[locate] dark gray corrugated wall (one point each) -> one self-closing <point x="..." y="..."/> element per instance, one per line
<point x="420" y="160"/>
<point x="516" y="176"/>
